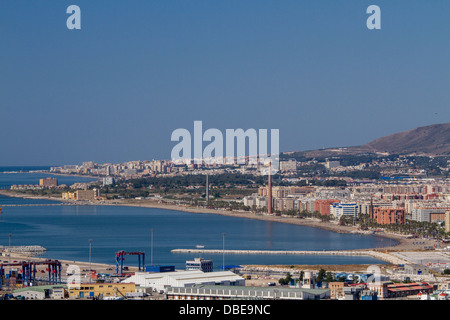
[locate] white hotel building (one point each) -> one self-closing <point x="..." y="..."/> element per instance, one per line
<point x="337" y="210"/>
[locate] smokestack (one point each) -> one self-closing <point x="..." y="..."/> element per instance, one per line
<point x="371" y="208"/>
<point x="207" y="189"/>
<point x="269" y="191"/>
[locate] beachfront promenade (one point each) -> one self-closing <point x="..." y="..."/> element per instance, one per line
<point x="375" y="254"/>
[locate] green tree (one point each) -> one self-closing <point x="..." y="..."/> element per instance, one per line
<point x="321" y="275"/>
<point x="286" y="280"/>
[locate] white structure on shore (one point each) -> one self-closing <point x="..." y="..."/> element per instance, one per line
<point x="163" y="280"/>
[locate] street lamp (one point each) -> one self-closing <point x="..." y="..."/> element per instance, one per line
<point x="9" y="255"/>
<point x="90" y="270"/>
<point x="223" y="251"/>
<point x="151" y="249"/>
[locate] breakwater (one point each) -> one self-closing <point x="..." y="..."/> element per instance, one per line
<point x="375" y="254"/>
<point x="23" y="249"/>
<point x="44" y="204"/>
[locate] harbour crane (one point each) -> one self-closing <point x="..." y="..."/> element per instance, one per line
<point x="120" y="258"/>
<point x="29" y="271"/>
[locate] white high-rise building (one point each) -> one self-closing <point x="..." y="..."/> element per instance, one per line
<point x="337" y="210"/>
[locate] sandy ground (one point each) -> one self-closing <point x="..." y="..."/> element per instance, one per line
<point x="263" y="275"/>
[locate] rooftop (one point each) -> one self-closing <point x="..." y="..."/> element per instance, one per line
<point x="266" y="289"/>
<point x="39" y="288"/>
<point x="186" y="275"/>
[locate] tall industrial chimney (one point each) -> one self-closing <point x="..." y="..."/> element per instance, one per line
<point x="371" y="208"/>
<point x="207" y="189"/>
<point x="269" y="191"/>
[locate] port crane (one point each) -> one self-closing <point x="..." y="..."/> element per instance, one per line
<point x="120" y="258"/>
<point x="29" y="271"/>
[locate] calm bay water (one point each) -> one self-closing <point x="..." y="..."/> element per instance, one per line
<point x="65" y="232"/>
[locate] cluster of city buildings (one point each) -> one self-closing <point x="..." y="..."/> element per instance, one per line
<point x="80" y="191"/>
<point x="138" y="168"/>
<point x="426" y="200"/>
<point x="45" y="183"/>
<point x="385" y="201"/>
<point x="400" y="165"/>
<point x="130" y="169"/>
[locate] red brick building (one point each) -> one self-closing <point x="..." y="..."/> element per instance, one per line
<point x="323" y="206"/>
<point x="389" y="216"/>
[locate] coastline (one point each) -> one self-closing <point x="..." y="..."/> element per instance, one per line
<point x="73" y="175"/>
<point x="403" y="244"/>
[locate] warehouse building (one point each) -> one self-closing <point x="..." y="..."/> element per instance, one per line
<point x="416" y="269"/>
<point x="162" y="281"/>
<point x="41" y="292"/>
<point x="242" y="292"/>
<point x="100" y="290"/>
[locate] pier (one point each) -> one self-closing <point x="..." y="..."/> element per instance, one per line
<point x="371" y="253"/>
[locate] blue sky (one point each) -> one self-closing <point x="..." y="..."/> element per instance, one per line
<point x="137" y="70"/>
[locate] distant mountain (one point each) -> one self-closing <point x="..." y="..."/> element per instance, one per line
<point x="429" y="140"/>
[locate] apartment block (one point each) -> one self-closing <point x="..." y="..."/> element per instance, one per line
<point x="288" y="165"/>
<point x="323" y="206"/>
<point x="48" y="182"/>
<point x="389" y="216"/>
<point x="425" y="214"/>
<point x="284" y="204"/>
<point x="88" y="195"/>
